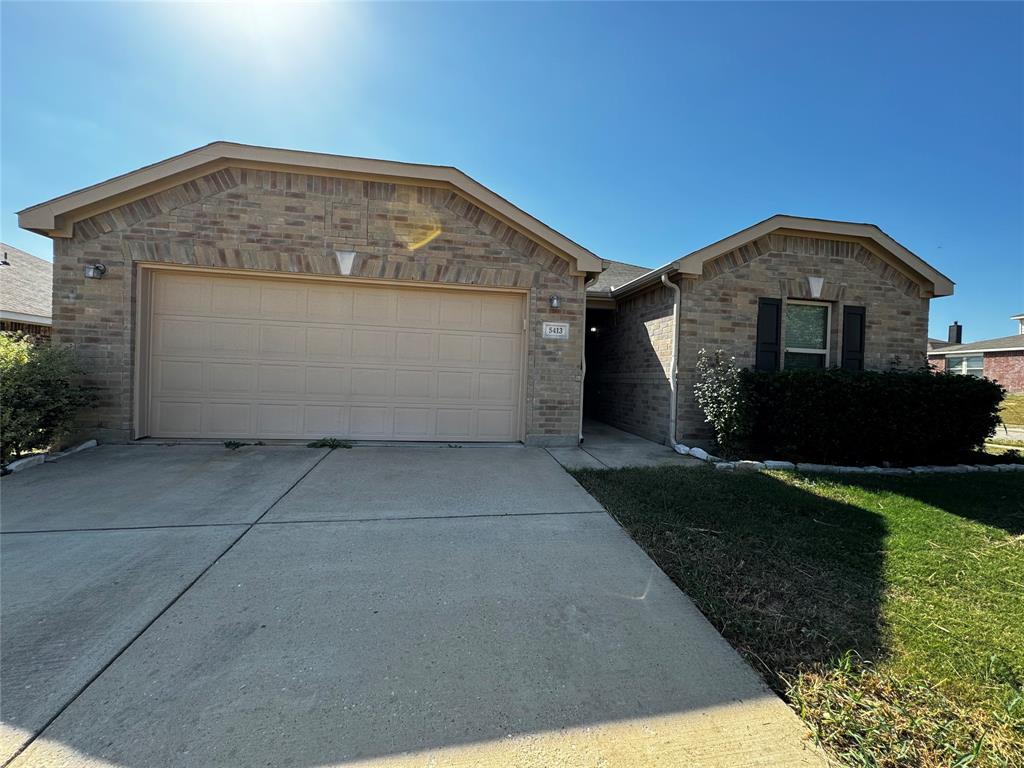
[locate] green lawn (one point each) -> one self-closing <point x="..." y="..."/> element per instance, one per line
<point x="888" y="611"/>
<point x="1012" y="410"/>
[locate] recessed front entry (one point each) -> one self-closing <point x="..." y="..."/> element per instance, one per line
<point x="245" y="357"/>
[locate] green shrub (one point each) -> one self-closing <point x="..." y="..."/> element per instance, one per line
<point x="40" y="393"/>
<point x="719" y="392"/>
<point x="835" y="416"/>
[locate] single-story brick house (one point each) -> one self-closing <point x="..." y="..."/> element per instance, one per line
<point x="26" y="289"/>
<point x="246" y="292"/>
<point x="1001" y="360"/>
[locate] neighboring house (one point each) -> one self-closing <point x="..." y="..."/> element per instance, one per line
<point x="247" y="292"/>
<point x="1001" y="359"/>
<point x="26" y="290"/>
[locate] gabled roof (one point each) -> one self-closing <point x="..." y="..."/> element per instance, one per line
<point x="934" y="282"/>
<point x="26" y="287"/>
<point x="616" y="273"/>
<point x="1012" y="343"/>
<point x="56" y="218"/>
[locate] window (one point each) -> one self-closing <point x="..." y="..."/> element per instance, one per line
<point x="806" y="334"/>
<point x="969" y="365"/>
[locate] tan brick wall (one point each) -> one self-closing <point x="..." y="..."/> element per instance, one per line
<point x="719" y="311"/>
<point x="719" y="308"/>
<point x="286" y="222"/>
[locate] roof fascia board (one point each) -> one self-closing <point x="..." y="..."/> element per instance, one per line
<point x="22" y="317"/>
<point x="934" y="281"/>
<point x="965" y="352"/>
<point x="55" y="218"/>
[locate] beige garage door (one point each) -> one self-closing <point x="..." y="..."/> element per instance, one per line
<point x="286" y="358"/>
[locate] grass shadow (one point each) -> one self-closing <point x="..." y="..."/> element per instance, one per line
<point x="792" y="580"/>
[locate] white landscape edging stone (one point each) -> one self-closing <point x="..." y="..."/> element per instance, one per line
<point x="39" y="458"/>
<point x="81" y="447"/>
<point x="768" y="465"/>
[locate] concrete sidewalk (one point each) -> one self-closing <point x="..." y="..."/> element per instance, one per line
<point x="440" y="626"/>
<point x="605" y="447"/>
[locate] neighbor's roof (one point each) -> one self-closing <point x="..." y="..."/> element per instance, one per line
<point x="933" y="344"/>
<point x="26" y="287"/>
<point x="616" y="273"/>
<point x="56" y="218"/>
<point x="1013" y="343"/>
<point x="869" y="235"/>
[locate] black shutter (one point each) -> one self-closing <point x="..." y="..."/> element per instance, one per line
<point x="853" y="338"/>
<point x="769" y="335"/>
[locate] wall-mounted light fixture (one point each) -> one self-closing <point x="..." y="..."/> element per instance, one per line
<point x="593" y="329"/>
<point x="95" y="271"/>
<point x="555" y="302"/>
<point x="3" y="260"/>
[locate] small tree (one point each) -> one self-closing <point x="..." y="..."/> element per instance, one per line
<point x="40" y="392"/>
<point x="719" y="393"/>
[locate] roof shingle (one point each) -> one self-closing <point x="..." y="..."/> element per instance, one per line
<point x="26" y="284"/>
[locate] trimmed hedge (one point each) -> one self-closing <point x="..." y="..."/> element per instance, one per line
<point x="833" y="416"/>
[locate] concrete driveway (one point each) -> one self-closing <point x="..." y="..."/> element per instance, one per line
<point x="194" y="606"/>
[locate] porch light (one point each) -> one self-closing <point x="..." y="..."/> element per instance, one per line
<point x="555" y="302"/>
<point x="95" y="271"/>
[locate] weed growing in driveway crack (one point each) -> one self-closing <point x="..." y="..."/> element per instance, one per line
<point x="329" y="442"/>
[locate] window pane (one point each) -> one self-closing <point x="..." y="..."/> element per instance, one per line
<point x="973" y="365"/>
<point x="804" y="360"/>
<point x="806" y="326"/>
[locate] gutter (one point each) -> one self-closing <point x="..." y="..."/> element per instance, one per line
<point x="583" y="351"/>
<point x="674" y="370"/>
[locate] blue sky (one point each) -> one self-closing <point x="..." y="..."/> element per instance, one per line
<point x="641" y="131"/>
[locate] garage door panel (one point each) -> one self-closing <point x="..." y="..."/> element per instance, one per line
<point x="494" y="424"/>
<point x="371" y="344"/>
<point x="323" y="420"/>
<point x="370" y="422"/>
<point x="501" y="315"/>
<point x="458" y="349"/>
<point x="230" y="378"/>
<point x="174" y="336"/>
<point x="327" y="344"/>
<point x="371" y="383"/>
<point x="231" y="339"/>
<point x="283" y="302"/>
<point x="374" y="307"/>
<point x="322" y="381"/>
<point x="418" y="311"/>
<point x="228" y="419"/>
<point x="412" y="423"/>
<point x="415" y="384"/>
<point x="497" y="386"/>
<point x="178" y="419"/>
<point x="500" y="352"/>
<point x="232" y="298"/>
<point x="282" y="380"/>
<point x="182" y="295"/>
<point x="414" y="347"/>
<point x="238" y="357"/>
<point x="279" y="420"/>
<point x="329" y="305"/>
<point x="455" y="423"/>
<point x="179" y="377"/>
<point x="282" y="342"/>
<point x="459" y="311"/>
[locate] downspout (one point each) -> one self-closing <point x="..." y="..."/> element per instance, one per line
<point x="583" y="351"/>
<point x="674" y="370"/>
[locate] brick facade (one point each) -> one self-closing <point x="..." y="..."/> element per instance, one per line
<point x="272" y="221"/>
<point x="633" y="350"/>
<point x="719" y="311"/>
<point x="1007" y="368"/>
